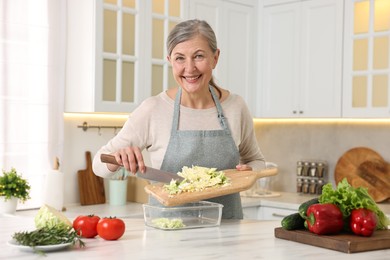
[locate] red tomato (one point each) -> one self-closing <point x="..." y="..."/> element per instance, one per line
<point x="86" y="225"/>
<point x="110" y="228"/>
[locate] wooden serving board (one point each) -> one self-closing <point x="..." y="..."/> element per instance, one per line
<point x="240" y="181"/>
<point x="91" y="187"/>
<point x="363" y="167"/>
<point x="347" y="243"/>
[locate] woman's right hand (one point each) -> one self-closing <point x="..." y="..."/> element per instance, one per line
<point x="131" y="158"/>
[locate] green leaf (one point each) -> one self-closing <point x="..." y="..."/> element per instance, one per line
<point x="348" y="198"/>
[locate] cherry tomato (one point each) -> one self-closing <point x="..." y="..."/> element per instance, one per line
<point x="86" y="225"/>
<point x="110" y="228"/>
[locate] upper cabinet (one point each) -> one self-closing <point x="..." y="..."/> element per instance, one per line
<point x="302" y="58"/>
<point x="116" y="55"/>
<point x="367" y="59"/>
<point x="286" y="58"/>
<point x="116" y="52"/>
<point x="234" y="23"/>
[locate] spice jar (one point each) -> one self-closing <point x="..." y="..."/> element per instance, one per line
<point x="320" y="184"/>
<point x="305" y="186"/>
<point x="313" y="169"/>
<point x="299" y="185"/>
<point x="299" y="168"/>
<point x="321" y="170"/>
<point x="305" y="171"/>
<point x="312" y="186"/>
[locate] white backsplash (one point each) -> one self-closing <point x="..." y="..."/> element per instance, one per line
<point x="288" y="142"/>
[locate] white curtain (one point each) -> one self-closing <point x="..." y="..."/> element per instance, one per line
<point x="32" y="72"/>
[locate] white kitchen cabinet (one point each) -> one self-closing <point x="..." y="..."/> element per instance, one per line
<point x="85" y="75"/>
<point x="111" y="45"/>
<point x="271" y="213"/>
<point x="366" y="81"/>
<point x="267" y="212"/>
<point x="250" y="212"/>
<point x="234" y="24"/>
<point x="277" y="2"/>
<point x="302" y="59"/>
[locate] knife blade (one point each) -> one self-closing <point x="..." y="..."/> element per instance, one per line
<point x="149" y="174"/>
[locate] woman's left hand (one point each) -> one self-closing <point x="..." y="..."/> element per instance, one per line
<point x="243" y="167"/>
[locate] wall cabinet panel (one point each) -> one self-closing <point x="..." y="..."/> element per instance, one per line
<point x="302" y="59"/>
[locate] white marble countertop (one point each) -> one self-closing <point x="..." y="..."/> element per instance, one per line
<point x="246" y="239"/>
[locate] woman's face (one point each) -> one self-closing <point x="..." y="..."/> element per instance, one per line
<point x="192" y="64"/>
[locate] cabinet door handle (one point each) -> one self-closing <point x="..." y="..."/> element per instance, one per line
<point x="278" y="215"/>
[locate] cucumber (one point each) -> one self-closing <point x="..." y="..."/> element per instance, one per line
<point x="305" y="205"/>
<point x="293" y="221"/>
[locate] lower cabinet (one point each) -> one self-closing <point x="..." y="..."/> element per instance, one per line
<point x="267" y="213"/>
<point x="270" y="213"/>
<point x="250" y="212"/>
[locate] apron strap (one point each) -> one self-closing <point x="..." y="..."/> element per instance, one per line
<point x="221" y="117"/>
<point x="176" y="111"/>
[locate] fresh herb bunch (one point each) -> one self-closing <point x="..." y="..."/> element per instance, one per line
<point x="48" y="236"/>
<point x="13" y="185"/>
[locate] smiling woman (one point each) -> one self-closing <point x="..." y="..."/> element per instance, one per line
<point x="32" y="66"/>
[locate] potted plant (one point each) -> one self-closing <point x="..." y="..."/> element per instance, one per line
<point x="12" y="188"/>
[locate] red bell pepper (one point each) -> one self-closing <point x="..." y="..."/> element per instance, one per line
<point x="323" y="219"/>
<point x="363" y="222"/>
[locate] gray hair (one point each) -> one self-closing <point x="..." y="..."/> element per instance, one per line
<point x="188" y="30"/>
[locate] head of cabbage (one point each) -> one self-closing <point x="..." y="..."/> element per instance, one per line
<point x="48" y="217"/>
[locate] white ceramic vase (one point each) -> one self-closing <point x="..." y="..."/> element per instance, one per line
<point x="9" y="206"/>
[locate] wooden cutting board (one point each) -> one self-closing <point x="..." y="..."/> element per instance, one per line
<point x="363" y="167"/>
<point x="91" y="187"/>
<point x="240" y="181"/>
<point x="347" y="243"/>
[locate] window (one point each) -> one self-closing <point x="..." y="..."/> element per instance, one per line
<point x="32" y="60"/>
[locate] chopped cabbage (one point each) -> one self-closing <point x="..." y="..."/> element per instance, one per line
<point x="197" y="178"/>
<point x="48" y="217"/>
<point x="166" y="223"/>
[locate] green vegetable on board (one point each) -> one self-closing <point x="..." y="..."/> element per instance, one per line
<point x="305" y="205"/>
<point x="348" y="198"/>
<point x="293" y="221"/>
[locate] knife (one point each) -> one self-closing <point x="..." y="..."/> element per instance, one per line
<point x="149" y="174"/>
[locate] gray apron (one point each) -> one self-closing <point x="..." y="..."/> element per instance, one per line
<point x="207" y="148"/>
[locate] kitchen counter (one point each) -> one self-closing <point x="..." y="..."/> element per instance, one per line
<point x="245" y="239"/>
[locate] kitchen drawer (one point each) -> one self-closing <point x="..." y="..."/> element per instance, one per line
<point x="250" y="212"/>
<point x="270" y="213"/>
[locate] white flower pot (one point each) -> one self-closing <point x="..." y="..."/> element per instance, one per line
<point x="9" y="206"/>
